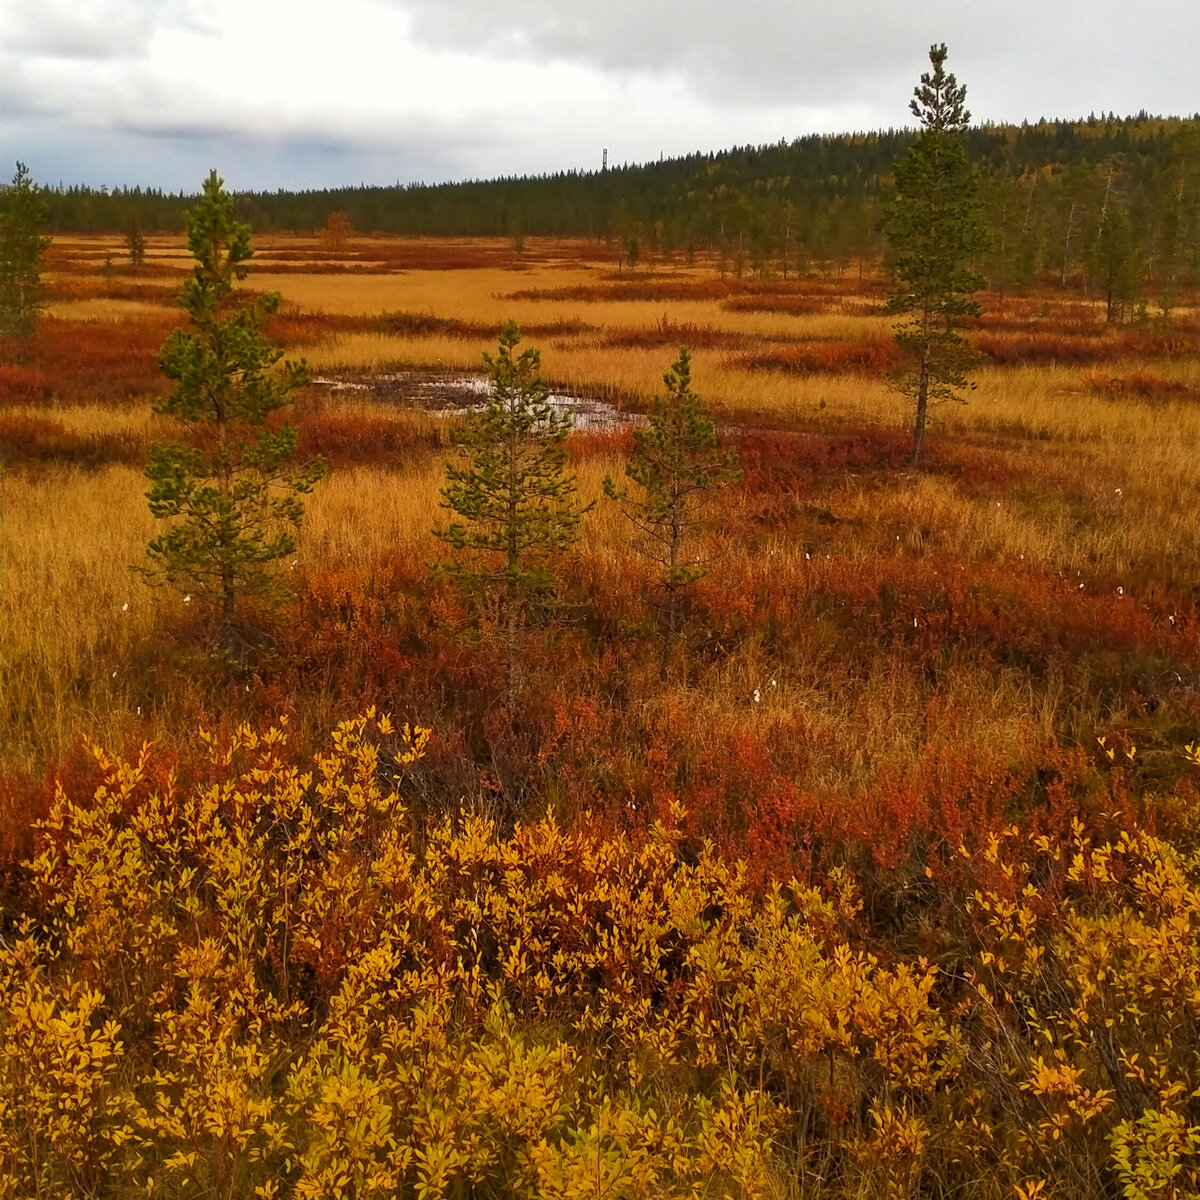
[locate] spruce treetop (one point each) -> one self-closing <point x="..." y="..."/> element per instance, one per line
<point x="934" y="221"/>
<point x="939" y="102"/>
<point x="221" y="365"/>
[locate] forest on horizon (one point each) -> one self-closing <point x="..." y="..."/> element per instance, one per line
<point x="1047" y="191"/>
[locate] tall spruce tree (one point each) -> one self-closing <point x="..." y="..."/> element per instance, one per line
<point x="676" y="465"/>
<point x="934" y="227"/>
<point x="22" y="248"/>
<point x="515" y="502"/>
<point x="231" y="486"/>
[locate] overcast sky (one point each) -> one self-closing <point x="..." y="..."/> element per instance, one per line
<point x="295" y="93"/>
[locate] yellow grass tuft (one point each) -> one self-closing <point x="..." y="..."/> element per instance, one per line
<point x="103" y="309"/>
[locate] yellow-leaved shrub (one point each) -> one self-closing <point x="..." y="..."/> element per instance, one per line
<point x="275" y="982"/>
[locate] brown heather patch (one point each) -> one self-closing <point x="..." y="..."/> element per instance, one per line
<point x="1137" y="385"/>
<point x="23" y="385"/>
<point x="558" y="328"/>
<point x="30" y="439"/>
<point x="604" y="445"/>
<point x="869" y="356"/>
<point x="83" y="269"/>
<point x="387" y="256"/>
<point x="773" y="295"/>
<point x="797" y="305"/>
<point x="1104" y="346"/>
<point x="1028" y="314"/>
<point x="782" y="464"/>
<point x="356" y="437"/>
<point x="89" y="361"/>
<point x="631" y="289"/>
<point x="675" y="333"/>
<point x="315" y="255"/>
<point x="268" y="266"/>
<point x="382" y="255"/>
<point x="293" y="328"/>
<point x="1008" y="608"/>
<point x="93" y="288"/>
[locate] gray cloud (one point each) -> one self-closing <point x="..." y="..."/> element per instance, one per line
<point x="756" y="50"/>
<point x="98" y="30"/>
<point x="177" y="156"/>
<point x="299" y="94"/>
<point x="1020" y="59"/>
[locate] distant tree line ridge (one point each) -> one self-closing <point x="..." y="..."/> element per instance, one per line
<point x="1055" y="195"/>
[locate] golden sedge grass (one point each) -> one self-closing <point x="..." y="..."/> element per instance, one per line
<point x="1097" y="484"/>
<point x="71" y="603"/>
<point x="104" y="309"/>
<point x="95" y="420"/>
<point x="483" y="295"/>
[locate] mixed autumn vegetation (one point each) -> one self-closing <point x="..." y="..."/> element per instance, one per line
<point x="766" y="816"/>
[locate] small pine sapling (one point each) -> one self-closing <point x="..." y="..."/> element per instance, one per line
<point x="677" y="465"/>
<point x="22" y="248"/>
<point x="231" y="485"/>
<point x="515" y="502"/>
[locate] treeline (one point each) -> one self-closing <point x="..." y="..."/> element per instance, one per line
<point x="1107" y="201"/>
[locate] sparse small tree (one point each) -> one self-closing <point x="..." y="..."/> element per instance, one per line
<point x="633" y="251"/>
<point x="135" y="246"/>
<point x="515" y="224"/>
<point x="677" y="466"/>
<point x="1114" y="262"/>
<point x="515" y="501"/>
<point x="1175" y="247"/>
<point x="335" y="235"/>
<point x="230" y="486"/>
<point x="22" y="248"/>
<point x="935" y="227"/>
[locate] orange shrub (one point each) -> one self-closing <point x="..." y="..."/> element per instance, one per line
<point x="1137" y="385"/>
<point x="39" y="439"/>
<point x="674" y="333"/>
<point x="87" y="361"/>
<point x="1092" y="347"/>
<point x="358" y="438"/>
<point x="23" y="385"/>
<point x="794" y="304"/>
<point x="869" y="356"/>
